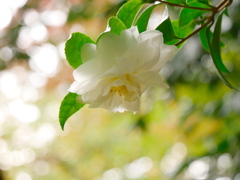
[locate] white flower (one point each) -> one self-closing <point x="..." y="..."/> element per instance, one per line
<point x="120" y="68"/>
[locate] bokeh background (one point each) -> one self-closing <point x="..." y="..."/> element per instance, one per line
<point x="190" y="131"/>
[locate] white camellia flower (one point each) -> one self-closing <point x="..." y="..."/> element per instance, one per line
<point x="120" y="68"/>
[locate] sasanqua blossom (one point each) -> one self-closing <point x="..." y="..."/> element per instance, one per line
<point x="120" y="68"/>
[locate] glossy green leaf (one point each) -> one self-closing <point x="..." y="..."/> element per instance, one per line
<point x="168" y="32"/>
<point x="177" y="1"/>
<point x="216" y="49"/>
<point x="68" y="107"/>
<point x="187" y="15"/>
<point x="116" y="25"/>
<point x="128" y="12"/>
<point x="142" y="20"/>
<point x="184" y="30"/>
<point x="73" y="48"/>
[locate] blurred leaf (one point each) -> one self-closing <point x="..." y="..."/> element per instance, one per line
<point x="142" y="20"/>
<point x="187" y="15"/>
<point x="128" y="12"/>
<point x="168" y="32"/>
<point x="226" y="12"/>
<point x="68" y="107"/>
<point x="73" y="48"/>
<point x="85" y="10"/>
<point x="183" y="166"/>
<point x="74" y="13"/>
<point x="116" y="25"/>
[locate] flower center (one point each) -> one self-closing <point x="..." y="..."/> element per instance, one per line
<point x="121" y="90"/>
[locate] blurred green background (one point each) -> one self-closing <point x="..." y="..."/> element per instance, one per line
<point x="190" y="131"/>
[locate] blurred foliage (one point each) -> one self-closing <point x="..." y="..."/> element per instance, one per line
<point x="191" y="133"/>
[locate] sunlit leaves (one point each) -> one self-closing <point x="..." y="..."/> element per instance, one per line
<point x="116" y="25"/>
<point x="189" y="15"/>
<point x="142" y="20"/>
<point x="73" y="48"/>
<point x="128" y="12"/>
<point x="69" y="106"/>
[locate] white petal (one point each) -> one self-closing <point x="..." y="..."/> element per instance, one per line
<point x="143" y="57"/>
<point x="133" y="31"/>
<point x="111" y="46"/>
<point x="148" y="78"/>
<point x="157" y="18"/>
<point x="155" y="36"/>
<point x="86" y="76"/>
<point x="167" y="52"/>
<point x="115" y="103"/>
<point x="88" y="52"/>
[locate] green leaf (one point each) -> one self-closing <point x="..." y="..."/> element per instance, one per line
<point x="68" y="107"/>
<point x="205" y="2"/>
<point x="184" y="30"/>
<point x="169" y="35"/>
<point x="203" y="39"/>
<point x="143" y="19"/>
<point x="128" y="12"/>
<point x="217" y="62"/>
<point x="216" y="49"/>
<point x="187" y="15"/>
<point x="116" y="25"/>
<point x="73" y="48"/>
<point x="183" y="2"/>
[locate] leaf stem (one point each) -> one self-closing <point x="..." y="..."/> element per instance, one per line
<point x="210" y="20"/>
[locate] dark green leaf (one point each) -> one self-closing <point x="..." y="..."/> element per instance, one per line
<point x="128" y="12"/>
<point x="142" y="20"/>
<point x="226" y="12"/>
<point x="187" y="15"/>
<point x="203" y="39"/>
<point x="73" y="48"/>
<point x="116" y="25"/>
<point x="168" y="32"/>
<point x="68" y="107"/>
<point x="216" y="61"/>
<point x="216" y="49"/>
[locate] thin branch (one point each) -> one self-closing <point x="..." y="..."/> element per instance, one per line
<point x="223" y="4"/>
<point x="196" y="31"/>
<point x="184" y="6"/>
